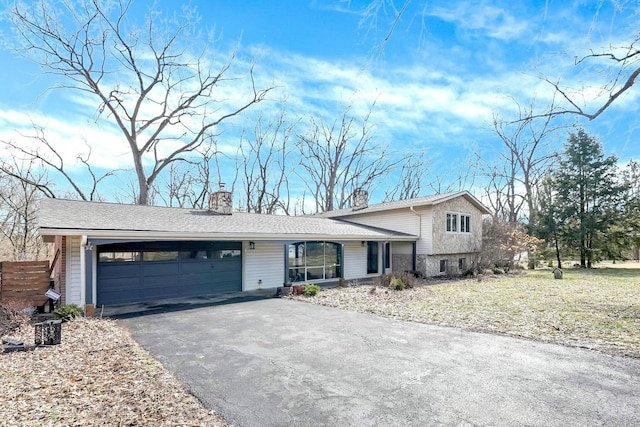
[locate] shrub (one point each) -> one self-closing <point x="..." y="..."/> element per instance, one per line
<point x="397" y="284"/>
<point x="409" y="280"/>
<point x="13" y="315"/>
<point x="67" y="312"/>
<point x="383" y="281"/>
<point x="311" y="290"/>
<point x="498" y="271"/>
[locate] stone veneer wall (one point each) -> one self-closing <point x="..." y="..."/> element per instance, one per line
<point x="401" y="262"/>
<point x="432" y="264"/>
<point x="456" y="243"/>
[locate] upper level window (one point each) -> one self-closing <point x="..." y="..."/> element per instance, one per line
<point x="458" y="223"/>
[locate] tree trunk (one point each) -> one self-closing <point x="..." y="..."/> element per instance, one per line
<point x="555" y="237"/>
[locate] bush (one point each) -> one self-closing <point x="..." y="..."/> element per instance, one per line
<point x="397" y="284"/>
<point x="498" y="271"/>
<point x="311" y="290"/>
<point x="383" y="281"/>
<point x="409" y="280"/>
<point x="67" y="312"/>
<point x="13" y="315"/>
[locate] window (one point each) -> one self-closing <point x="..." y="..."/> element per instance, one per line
<point x="458" y="223"/>
<point x="462" y="264"/>
<point x="387" y="255"/>
<point x="465" y="223"/>
<point x="443" y="266"/>
<point x="126" y="256"/>
<point x="372" y="257"/>
<point x="452" y="222"/>
<point x="161" y="256"/>
<point x="314" y="261"/>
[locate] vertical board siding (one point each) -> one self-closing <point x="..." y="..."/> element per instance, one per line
<point x="73" y="265"/>
<point x="264" y="263"/>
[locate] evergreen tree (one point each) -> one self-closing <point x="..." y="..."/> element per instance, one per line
<point x="588" y="196"/>
<point x="546" y="219"/>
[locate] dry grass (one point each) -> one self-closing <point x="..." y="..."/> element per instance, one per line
<point x="97" y="376"/>
<point x="597" y="309"/>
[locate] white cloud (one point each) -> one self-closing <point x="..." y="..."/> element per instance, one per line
<point x="491" y="21"/>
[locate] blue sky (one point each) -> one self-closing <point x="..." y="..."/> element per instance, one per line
<point x="447" y="68"/>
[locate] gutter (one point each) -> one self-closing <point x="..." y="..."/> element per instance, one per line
<point x="223" y="236"/>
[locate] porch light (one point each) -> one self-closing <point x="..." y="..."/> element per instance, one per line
<point x="252" y="245"/>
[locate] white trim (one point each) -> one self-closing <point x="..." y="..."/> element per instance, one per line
<point x="83" y="271"/>
<point x="94" y="277"/>
<point x="67" y="268"/>
<point x="459" y="216"/>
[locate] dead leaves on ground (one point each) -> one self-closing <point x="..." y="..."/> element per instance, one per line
<point x="97" y="376"/>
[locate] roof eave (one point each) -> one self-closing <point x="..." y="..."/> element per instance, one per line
<point x="165" y="235"/>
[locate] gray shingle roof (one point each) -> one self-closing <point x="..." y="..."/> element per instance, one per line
<point x="418" y="201"/>
<point x="72" y="217"/>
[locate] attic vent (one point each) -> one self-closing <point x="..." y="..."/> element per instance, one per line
<point x="221" y="202"/>
<point x="359" y="199"/>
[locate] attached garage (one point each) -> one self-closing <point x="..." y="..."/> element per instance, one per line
<point x="147" y="271"/>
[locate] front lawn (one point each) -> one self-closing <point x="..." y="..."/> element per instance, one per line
<point x="597" y="309"/>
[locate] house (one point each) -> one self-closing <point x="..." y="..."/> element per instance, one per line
<point x="116" y="254"/>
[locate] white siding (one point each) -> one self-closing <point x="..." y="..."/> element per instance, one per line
<point x="355" y="260"/>
<point x="73" y="271"/>
<point x="264" y="263"/>
<point x="402" y="248"/>
<point x="425" y="244"/>
<point x="403" y="221"/>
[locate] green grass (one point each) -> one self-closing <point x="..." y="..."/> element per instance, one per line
<point x="593" y="308"/>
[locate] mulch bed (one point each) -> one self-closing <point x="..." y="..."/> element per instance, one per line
<point x="98" y="375"/>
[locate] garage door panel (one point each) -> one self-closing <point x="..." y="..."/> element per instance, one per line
<point x="121" y="284"/>
<point x="147" y="278"/>
<point x="196" y="267"/>
<point x="224" y="265"/>
<point x="120" y="269"/>
<point x="120" y="297"/>
<point x="155" y="268"/>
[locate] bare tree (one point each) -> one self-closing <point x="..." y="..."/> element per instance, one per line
<point x="185" y="184"/>
<point x="411" y="178"/>
<point x="154" y="83"/>
<point x="39" y="152"/>
<point x="262" y="162"/>
<point x="627" y="70"/>
<point x="458" y="177"/>
<point x="523" y="162"/>
<point x="340" y="156"/>
<point x="18" y="202"/>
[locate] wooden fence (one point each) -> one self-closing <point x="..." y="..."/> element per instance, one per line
<point x="25" y="282"/>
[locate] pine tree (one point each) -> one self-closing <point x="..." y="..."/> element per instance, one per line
<point x="588" y="196"/>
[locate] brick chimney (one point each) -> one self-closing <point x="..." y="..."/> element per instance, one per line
<point x="221" y="202"/>
<point x="359" y="199"/>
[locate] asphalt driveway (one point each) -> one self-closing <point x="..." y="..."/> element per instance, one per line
<point x="278" y="362"/>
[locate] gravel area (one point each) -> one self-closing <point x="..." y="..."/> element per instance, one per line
<point x="597" y="309"/>
<point x="97" y="376"/>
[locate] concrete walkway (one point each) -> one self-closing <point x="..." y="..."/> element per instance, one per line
<point x="277" y="362"/>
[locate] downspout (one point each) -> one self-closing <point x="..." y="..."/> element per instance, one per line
<point x="415" y="250"/>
